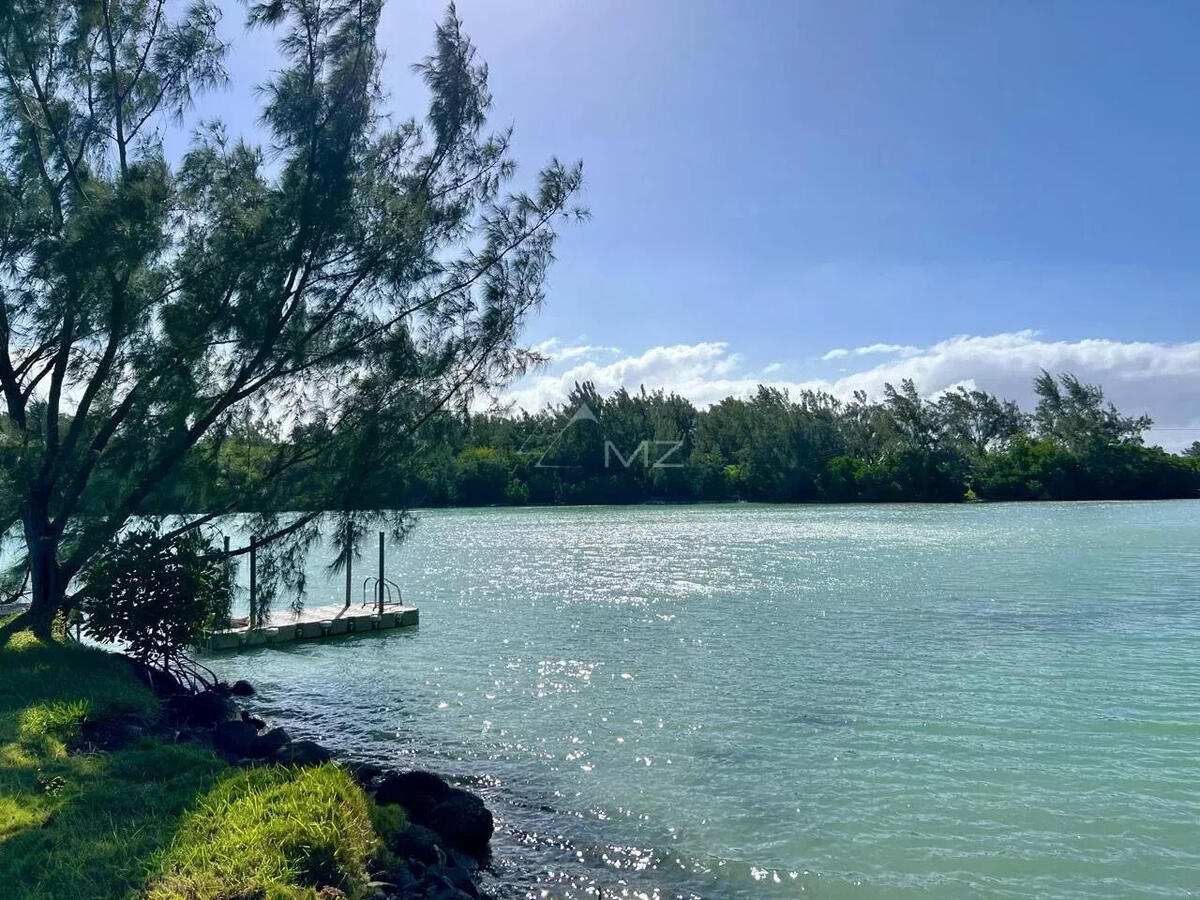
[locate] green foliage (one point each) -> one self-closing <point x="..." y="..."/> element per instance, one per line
<point x="261" y="829"/>
<point x="171" y="820"/>
<point x="82" y="825"/>
<point x="772" y="447"/>
<point x="480" y="477"/>
<point x="101" y="831"/>
<point x="388" y="820"/>
<point x="844" y="480"/>
<point x="1045" y="470"/>
<point x="156" y="597"/>
<point x="49" y="687"/>
<point x="1075" y="416"/>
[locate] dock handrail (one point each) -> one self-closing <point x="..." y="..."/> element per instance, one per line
<point x="378" y="585"/>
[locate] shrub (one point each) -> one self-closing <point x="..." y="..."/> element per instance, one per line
<point x="156" y="598"/>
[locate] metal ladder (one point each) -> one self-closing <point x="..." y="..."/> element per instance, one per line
<point x="381" y="595"/>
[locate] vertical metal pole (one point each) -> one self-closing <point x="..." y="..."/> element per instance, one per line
<point x="349" y="559"/>
<point x="381" y="573"/>
<point x="253" y="584"/>
<point x="229" y="612"/>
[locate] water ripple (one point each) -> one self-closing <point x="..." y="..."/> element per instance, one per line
<point x="766" y="702"/>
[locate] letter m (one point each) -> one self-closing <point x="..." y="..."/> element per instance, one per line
<point x="610" y="447"/>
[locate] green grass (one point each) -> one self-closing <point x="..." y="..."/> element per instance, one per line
<point x="267" y="830"/>
<point x="153" y="819"/>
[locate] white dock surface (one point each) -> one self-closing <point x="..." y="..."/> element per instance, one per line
<point x="314" y="623"/>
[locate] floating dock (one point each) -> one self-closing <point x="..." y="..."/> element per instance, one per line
<point x="313" y="623"/>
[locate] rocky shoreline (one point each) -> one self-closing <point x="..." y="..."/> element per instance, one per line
<point x="439" y="853"/>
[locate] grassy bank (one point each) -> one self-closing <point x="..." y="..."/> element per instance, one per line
<point x="153" y="819"/>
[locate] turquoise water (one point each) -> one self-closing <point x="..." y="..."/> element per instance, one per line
<point x="765" y="701"/>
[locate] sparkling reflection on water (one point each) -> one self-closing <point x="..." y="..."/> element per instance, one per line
<point x="763" y="701"/>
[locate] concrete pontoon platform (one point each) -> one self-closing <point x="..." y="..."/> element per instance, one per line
<point x="313" y="623"/>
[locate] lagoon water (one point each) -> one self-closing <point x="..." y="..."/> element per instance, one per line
<point x="770" y="702"/>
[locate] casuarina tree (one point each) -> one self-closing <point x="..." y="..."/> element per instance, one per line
<point x="338" y="284"/>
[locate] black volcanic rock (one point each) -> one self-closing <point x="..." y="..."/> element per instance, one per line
<point x="205" y="708"/>
<point x="419" y="843"/>
<point x="412" y="790"/>
<point x="235" y="737"/>
<point x="463" y="821"/>
<point x="302" y="753"/>
<point x="271" y="742"/>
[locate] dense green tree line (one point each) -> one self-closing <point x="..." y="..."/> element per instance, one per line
<point x="648" y="446"/>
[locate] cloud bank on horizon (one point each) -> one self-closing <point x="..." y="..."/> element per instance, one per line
<point x="1161" y="379"/>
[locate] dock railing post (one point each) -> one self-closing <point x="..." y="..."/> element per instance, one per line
<point x="253" y="584"/>
<point x="381" y="573"/>
<point x="349" y="559"/>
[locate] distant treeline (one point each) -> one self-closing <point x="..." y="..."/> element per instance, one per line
<point x="655" y="446"/>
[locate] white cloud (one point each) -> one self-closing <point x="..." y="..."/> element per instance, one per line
<point x="1138" y="376"/>
<point x="872" y="349"/>
<point x="1162" y="379"/>
<point x="694" y="370"/>
<point x="556" y="351"/>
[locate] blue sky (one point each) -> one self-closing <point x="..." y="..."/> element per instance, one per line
<point x="972" y="189"/>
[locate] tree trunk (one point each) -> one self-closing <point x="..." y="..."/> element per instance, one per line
<point x="47" y="586"/>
